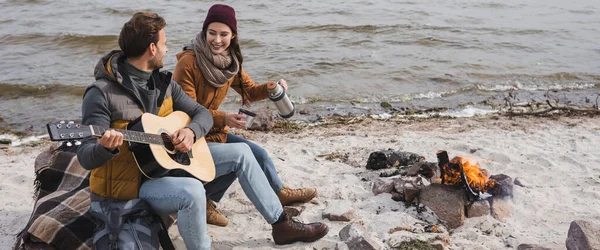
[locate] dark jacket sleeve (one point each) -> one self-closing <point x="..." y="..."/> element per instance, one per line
<point x="94" y="112"/>
<point x="202" y="119"/>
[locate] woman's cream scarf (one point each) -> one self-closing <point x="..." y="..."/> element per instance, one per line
<point x="217" y="69"/>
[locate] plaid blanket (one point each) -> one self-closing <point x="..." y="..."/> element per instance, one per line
<point x="61" y="217"/>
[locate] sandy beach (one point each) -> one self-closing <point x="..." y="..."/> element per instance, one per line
<point x="554" y="158"/>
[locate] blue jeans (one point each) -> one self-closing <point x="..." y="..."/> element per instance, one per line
<point x="265" y="162"/>
<point x="186" y="196"/>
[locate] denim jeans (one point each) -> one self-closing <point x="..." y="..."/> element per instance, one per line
<point x="187" y="196"/>
<point x="264" y="160"/>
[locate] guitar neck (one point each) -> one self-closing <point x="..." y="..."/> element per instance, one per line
<point x="128" y="135"/>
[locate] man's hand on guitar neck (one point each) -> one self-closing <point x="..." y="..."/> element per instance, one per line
<point x="111" y="140"/>
<point x="183" y="139"/>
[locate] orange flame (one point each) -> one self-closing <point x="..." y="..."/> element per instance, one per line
<point x="479" y="179"/>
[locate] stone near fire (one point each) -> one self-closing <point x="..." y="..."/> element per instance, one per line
<point x="429" y="170"/>
<point x="352" y="230"/>
<point x="478" y="209"/>
<point x="397" y="196"/>
<point x="339" y="211"/>
<point x="583" y="235"/>
<point x="501" y="208"/>
<point x="446" y="202"/>
<point x="411" y="192"/>
<point x="504" y="186"/>
<point x="532" y="247"/>
<point x="382" y="185"/>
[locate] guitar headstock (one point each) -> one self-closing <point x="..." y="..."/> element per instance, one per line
<point x="67" y="131"/>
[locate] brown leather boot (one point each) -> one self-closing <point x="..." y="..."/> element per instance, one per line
<point x="288" y="196"/>
<point x="213" y="216"/>
<point x="290" y="231"/>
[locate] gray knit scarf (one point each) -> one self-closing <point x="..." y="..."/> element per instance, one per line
<point x="217" y="69"/>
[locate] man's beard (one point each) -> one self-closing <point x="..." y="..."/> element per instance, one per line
<point x="156" y="63"/>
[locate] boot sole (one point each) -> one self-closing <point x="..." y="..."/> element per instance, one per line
<point x="299" y="201"/>
<point x="313" y="239"/>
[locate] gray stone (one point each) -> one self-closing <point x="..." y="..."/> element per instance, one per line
<point x="411" y="192"/>
<point x="339" y="211"/>
<point x="446" y="202"/>
<point x="583" y="235"/>
<point x="381" y="186"/>
<point x="341" y="246"/>
<point x="352" y="230"/>
<point x="5" y="141"/>
<point x="501" y="209"/>
<point x="532" y="247"/>
<point x="364" y="243"/>
<point x="399" y="185"/>
<point x="504" y="186"/>
<point x="478" y="209"/>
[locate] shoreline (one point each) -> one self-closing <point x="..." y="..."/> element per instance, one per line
<point x="554" y="157"/>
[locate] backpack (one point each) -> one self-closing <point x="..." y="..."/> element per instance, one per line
<point x="128" y="225"/>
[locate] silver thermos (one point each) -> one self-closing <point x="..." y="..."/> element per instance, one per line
<point x="277" y="94"/>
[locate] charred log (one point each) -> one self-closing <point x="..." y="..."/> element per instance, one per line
<point x="390" y="158"/>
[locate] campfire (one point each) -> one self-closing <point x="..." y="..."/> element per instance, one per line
<point x="454" y="188"/>
<point x="461" y="172"/>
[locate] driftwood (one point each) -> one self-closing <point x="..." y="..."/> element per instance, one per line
<point x="555" y="108"/>
<point x="595" y="110"/>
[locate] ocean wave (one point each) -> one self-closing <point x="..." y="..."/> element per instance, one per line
<point x="250" y="44"/>
<point x="68" y="40"/>
<point x="122" y="12"/>
<point x="369" y="29"/>
<point x="14" y="91"/>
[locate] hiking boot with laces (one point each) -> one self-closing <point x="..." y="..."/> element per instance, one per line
<point x="291" y="230"/>
<point x="213" y="216"/>
<point x="288" y="196"/>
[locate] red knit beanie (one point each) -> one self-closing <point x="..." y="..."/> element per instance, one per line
<point x="223" y="14"/>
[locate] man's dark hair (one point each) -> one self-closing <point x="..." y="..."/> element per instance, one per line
<point x="139" y="32"/>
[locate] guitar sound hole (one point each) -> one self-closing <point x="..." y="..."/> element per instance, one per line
<point x="181" y="158"/>
<point x="167" y="141"/>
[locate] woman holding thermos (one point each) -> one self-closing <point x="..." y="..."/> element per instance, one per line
<point x="207" y="67"/>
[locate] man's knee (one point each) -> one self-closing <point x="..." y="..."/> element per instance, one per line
<point x="241" y="150"/>
<point x="191" y="190"/>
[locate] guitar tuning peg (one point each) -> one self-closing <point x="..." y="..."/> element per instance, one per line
<point x="77" y="143"/>
<point x="69" y="144"/>
<point x="62" y="122"/>
<point x="71" y="122"/>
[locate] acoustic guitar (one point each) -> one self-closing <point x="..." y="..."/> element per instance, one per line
<point x="149" y="139"/>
